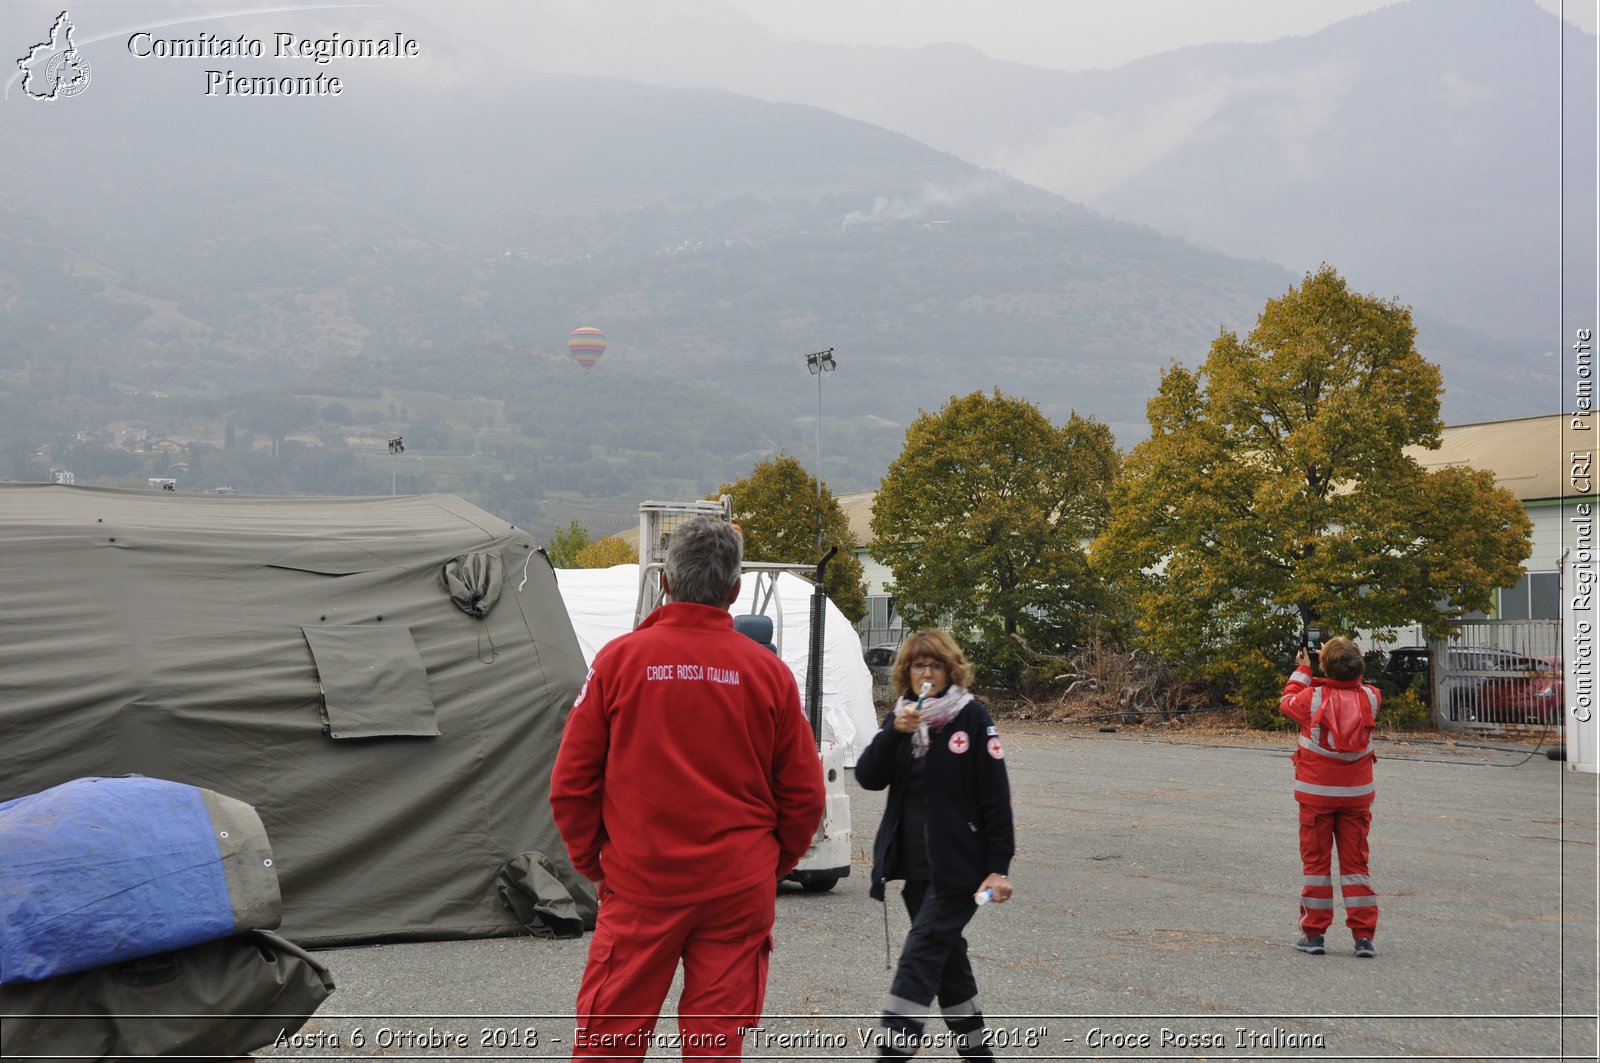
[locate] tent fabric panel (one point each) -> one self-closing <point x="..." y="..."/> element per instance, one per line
<point x="373" y="682"/>
<point x="520" y="670"/>
<point x="329" y="558"/>
<point x="185" y="658"/>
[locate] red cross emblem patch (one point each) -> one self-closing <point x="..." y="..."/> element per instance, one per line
<point x="994" y="749"/>
<point x="959" y="742"/>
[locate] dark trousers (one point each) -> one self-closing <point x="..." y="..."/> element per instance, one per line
<point x="933" y="964"/>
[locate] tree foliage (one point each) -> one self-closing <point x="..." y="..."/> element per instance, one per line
<point x="565" y="544"/>
<point x="603" y="553"/>
<point x="1275" y="491"/>
<point x="776" y="509"/>
<point x="983" y="519"/>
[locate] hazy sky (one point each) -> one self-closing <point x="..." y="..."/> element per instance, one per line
<point x="1070" y="34"/>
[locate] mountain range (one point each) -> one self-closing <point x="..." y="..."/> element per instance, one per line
<point x="1423" y="147"/>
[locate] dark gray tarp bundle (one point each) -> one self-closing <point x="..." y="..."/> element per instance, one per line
<point x="219" y="999"/>
<point x="303" y="655"/>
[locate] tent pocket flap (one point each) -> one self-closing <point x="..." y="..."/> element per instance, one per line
<point x="373" y="682"/>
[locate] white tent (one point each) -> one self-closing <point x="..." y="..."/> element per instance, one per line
<point x="600" y="602"/>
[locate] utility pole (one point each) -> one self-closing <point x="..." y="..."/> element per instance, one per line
<point x="817" y="363"/>
<point x="397" y="445"/>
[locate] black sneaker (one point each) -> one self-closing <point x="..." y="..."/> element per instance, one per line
<point x="1312" y="944"/>
<point x="1365" y="948"/>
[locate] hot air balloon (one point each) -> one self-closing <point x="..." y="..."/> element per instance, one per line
<point x="587" y="345"/>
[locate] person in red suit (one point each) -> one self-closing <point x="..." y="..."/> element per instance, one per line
<point x="1333" y="784"/>
<point x="686" y="786"/>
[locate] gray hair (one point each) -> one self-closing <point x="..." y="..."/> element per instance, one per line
<point x="704" y="558"/>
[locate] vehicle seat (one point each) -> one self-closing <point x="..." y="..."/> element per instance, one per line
<point x="756" y="626"/>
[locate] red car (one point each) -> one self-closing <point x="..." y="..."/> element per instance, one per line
<point x="1486" y="685"/>
<point x="1533" y="693"/>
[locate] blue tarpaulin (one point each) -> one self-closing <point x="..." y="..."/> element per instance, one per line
<point x="98" y="871"/>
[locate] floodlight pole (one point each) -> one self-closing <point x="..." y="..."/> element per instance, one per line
<point x="817" y="363"/>
<point x="397" y="445"/>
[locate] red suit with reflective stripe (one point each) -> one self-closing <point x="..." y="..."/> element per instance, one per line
<point x="688" y="778"/>
<point x="1333" y="783"/>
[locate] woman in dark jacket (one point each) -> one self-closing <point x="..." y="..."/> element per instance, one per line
<point x="946" y="832"/>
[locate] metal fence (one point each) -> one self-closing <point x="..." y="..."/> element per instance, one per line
<point x="882" y="626"/>
<point x="1498" y="675"/>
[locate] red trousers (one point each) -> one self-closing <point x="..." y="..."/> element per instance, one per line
<point x="633" y="955"/>
<point x="1321" y="829"/>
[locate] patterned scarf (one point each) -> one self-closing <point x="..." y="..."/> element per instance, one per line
<point x="936" y="712"/>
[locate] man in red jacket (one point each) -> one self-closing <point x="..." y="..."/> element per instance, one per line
<point x="1333" y="783"/>
<point x="687" y="785"/>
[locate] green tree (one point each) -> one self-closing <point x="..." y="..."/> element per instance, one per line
<point x="776" y="509"/>
<point x="1275" y="491"/>
<point x="565" y="544"/>
<point x="603" y="553"/>
<point x="983" y="519"/>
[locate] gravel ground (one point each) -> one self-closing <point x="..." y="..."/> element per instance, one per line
<point x="1157" y="877"/>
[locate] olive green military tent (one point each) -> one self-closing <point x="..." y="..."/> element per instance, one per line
<point x="384" y="679"/>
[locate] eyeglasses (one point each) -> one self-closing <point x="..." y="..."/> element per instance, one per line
<point x="927" y="666"/>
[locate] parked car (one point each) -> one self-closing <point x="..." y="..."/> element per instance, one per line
<point x="1484" y="685"/>
<point x="881" y="657"/>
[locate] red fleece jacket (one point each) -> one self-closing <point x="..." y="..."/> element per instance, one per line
<point x="687" y="770"/>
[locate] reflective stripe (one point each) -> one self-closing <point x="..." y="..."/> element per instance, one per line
<point x="910" y="1009"/>
<point x="1316" y="902"/>
<point x="1318" y="880"/>
<point x="1372" y="696"/>
<point x="1303" y="680"/>
<point x="1361" y="901"/>
<point x="1355" y="880"/>
<point x="1316" y="702"/>
<point x="1314" y="745"/>
<point x="965" y="1009"/>
<point x="1334" y="791"/>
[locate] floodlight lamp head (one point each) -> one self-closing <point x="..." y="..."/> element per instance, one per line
<point x="820" y="362"/>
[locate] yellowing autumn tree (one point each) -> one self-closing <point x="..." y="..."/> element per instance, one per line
<point x="983" y="519"/>
<point x="564" y="545"/>
<point x="603" y="553"/>
<point x="1275" y="491"/>
<point x="776" y="509"/>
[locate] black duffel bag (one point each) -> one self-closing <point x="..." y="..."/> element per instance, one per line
<point x="219" y="999"/>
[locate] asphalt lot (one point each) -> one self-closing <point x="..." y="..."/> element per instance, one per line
<point x="1154" y="919"/>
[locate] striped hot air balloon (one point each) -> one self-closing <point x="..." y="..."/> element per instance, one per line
<point x="586" y="345"/>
